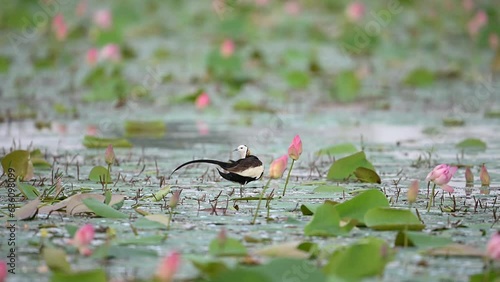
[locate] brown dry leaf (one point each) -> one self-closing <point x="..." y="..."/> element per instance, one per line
<point x="160" y="218"/>
<point x="457" y="250"/>
<point x="28" y="211"/>
<point x="285" y="250"/>
<point x="74" y="205"/>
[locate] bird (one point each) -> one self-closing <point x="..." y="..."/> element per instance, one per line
<point x="247" y="169"/>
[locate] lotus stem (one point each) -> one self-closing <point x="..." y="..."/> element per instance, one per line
<point x="260" y="200"/>
<point x="431" y="198"/>
<point x="288" y="177"/>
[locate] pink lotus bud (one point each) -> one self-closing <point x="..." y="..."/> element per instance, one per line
<point x="476" y="23"/>
<point x="202" y="101"/>
<point x="295" y="149"/>
<point x="493" y="41"/>
<point x="111" y="52"/>
<point x="484" y="176"/>
<point x="174" y="200"/>
<point x="469" y="177"/>
<point x="92" y="56"/>
<point x="168" y="267"/>
<point x="493" y="247"/>
<point x="81" y="8"/>
<point x="103" y="19"/>
<point x="59" y="27"/>
<point x="413" y="192"/>
<point x="227" y="48"/>
<point x="355" y="11"/>
<point x="278" y="166"/>
<point x="292" y="7"/>
<point x="83" y="237"/>
<point x="441" y="175"/>
<point x="3" y="271"/>
<point x="109" y="155"/>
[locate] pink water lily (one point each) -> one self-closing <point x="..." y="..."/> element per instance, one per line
<point x="3" y="271"/>
<point x="355" y="11"/>
<point x="109" y="155"/>
<point x="413" y="191"/>
<point x="59" y="27"/>
<point x="227" y="48"/>
<point x="441" y="175"/>
<point x="493" y="247"/>
<point x="202" y="101"/>
<point x="103" y="19"/>
<point x="295" y="149"/>
<point x="484" y="176"/>
<point x="168" y="267"/>
<point x="92" y="56"/>
<point x="82" y="239"/>
<point x="111" y="52"/>
<point x="278" y="166"/>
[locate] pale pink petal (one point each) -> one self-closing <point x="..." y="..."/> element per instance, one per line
<point x="447" y="188"/>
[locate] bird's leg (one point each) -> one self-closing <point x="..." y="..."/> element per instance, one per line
<point x="241" y="191"/>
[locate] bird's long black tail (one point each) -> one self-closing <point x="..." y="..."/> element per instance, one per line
<point x="223" y="165"/>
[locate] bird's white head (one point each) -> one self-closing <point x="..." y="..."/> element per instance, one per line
<point x="243" y="151"/>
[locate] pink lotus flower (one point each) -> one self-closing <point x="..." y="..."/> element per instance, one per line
<point x="278" y="166"/>
<point x="202" y="101"/>
<point x="484" y="176"/>
<point x="441" y="175"/>
<point x="295" y="149"/>
<point x="109" y="155"/>
<point x="413" y="192"/>
<point x="227" y="48"/>
<point x="469" y="177"/>
<point x="3" y="271"/>
<point x="81" y="8"/>
<point x="59" y="27"/>
<point x="92" y="56"/>
<point x="103" y="19"/>
<point x="476" y="23"/>
<point x="292" y="7"/>
<point x="493" y="247"/>
<point x="355" y="11"/>
<point x="111" y="52"/>
<point x="83" y="237"/>
<point x="168" y="267"/>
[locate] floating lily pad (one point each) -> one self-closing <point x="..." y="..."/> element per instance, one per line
<point x="346" y="87"/>
<point x="344" y="148"/>
<point x="100" y="174"/>
<point x="420" y="77"/>
<point x="471" y="145"/>
<point x="329" y="189"/>
<point x="103" y="210"/>
<point x="420" y="240"/>
<point x="355" y="209"/>
<point x="344" y="168"/>
<point x="56" y="260"/>
<point x="452" y="122"/>
<point x="326" y="222"/>
<point x="97" y="142"/>
<point x="392" y="219"/>
<point x="456" y="250"/>
<point x="365" y="258"/>
<point x="248" y="106"/>
<point x="367" y="175"/>
<point x="297" y="79"/>
<point x="227" y="247"/>
<point x="95" y="275"/>
<point x="18" y="164"/>
<point x="145" y="128"/>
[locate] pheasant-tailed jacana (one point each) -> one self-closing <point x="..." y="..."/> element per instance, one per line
<point x="247" y="169"/>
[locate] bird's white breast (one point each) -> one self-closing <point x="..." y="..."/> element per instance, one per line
<point x="254" y="172"/>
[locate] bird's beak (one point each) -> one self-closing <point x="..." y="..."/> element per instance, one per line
<point x="235" y="150"/>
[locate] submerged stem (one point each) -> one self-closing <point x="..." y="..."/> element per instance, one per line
<point x="431" y="198"/>
<point x="288" y="177"/>
<point x="260" y="200"/>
